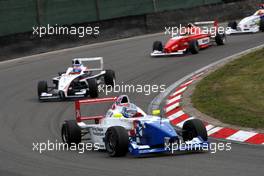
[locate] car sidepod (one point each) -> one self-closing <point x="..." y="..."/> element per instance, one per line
<point x="159" y="136"/>
<point x="150" y="137"/>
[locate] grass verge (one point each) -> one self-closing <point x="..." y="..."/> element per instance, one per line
<point x="234" y="94"/>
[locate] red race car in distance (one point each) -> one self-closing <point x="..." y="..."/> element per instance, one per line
<point x="191" y="39"/>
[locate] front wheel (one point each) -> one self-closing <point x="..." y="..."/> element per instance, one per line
<point x="194" y="47"/>
<point x="109" y="78"/>
<point x="232" y="25"/>
<point x="116" y="141"/>
<point x="93" y="88"/>
<point x="194" y="128"/>
<point x="42" y="87"/>
<point x="157" y="46"/>
<point x="71" y="132"/>
<point x="261" y="25"/>
<point x="220" y="39"/>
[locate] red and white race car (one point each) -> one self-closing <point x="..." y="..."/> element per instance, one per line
<point x="191" y="39"/>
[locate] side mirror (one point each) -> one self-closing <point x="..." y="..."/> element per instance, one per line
<point x="117" y="115"/>
<point x="156" y="112"/>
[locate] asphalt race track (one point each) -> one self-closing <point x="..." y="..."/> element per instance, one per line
<point x="24" y="120"/>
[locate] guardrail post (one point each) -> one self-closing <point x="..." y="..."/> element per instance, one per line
<point x="154" y="5"/>
<point x="38" y="12"/>
<point x="97" y="9"/>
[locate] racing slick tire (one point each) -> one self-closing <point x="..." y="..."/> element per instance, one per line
<point x="109" y="78"/>
<point x="194" y="47"/>
<point x="232" y="25"/>
<point x="93" y="88"/>
<point x="220" y="39"/>
<point x="71" y="132"/>
<point x="42" y="87"/>
<point x="157" y="46"/>
<point x="116" y="141"/>
<point x="261" y="25"/>
<point x="194" y="128"/>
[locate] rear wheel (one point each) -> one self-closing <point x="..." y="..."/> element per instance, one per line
<point x="42" y="87"/>
<point x="93" y="88"/>
<point x="71" y="132"/>
<point x="220" y="39"/>
<point x="261" y="25"/>
<point x="116" y="141"/>
<point x="194" y="47"/>
<point x="109" y="77"/>
<point x="157" y="46"/>
<point x="232" y="24"/>
<point x="194" y="128"/>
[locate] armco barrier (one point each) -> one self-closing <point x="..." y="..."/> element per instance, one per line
<point x="18" y="16"/>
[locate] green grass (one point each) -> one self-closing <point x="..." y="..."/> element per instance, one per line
<point x="234" y="94"/>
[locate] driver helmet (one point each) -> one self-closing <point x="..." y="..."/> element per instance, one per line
<point x="76" y="66"/>
<point x="76" y="63"/>
<point x="261" y="12"/>
<point x="129" y="111"/>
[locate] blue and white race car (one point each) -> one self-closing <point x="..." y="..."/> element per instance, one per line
<point x="250" y="24"/>
<point x="125" y="128"/>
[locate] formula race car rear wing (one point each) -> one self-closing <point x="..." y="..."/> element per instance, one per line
<point x="80" y="118"/>
<point x="100" y="59"/>
<point x="200" y="23"/>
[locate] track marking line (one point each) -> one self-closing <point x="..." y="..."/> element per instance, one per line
<point x="180" y="119"/>
<point x="224" y="133"/>
<point x="174" y="99"/>
<point x="214" y="130"/>
<point x="172" y="103"/>
<point x="241" y="136"/>
<point x="257" y="139"/>
<point x="19" y="59"/>
<point x="176" y="115"/>
<point x="172" y="107"/>
<point x="187" y="83"/>
<point x="209" y="127"/>
<point x="179" y="91"/>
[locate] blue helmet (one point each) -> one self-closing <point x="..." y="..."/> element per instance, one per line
<point x="129" y="111"/>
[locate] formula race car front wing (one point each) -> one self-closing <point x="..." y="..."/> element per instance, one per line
<point x="160" y="53"/>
